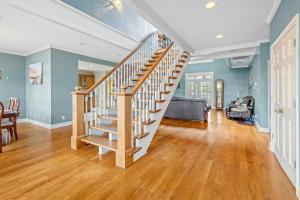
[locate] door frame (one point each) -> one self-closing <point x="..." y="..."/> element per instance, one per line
<point x="294" y="20"/>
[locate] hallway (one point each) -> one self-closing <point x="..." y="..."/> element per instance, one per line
<point x="186" y="160"/>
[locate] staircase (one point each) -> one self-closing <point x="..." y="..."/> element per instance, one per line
<point x="123" y="110"/>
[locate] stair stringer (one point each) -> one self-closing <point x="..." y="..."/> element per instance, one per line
<point x="151" y="129"/>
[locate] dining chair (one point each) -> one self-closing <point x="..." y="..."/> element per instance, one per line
<point x="4" y="124"/>
<point x="14" y="104"/>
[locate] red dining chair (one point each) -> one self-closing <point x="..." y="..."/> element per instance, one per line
<point x="4" y="124"/>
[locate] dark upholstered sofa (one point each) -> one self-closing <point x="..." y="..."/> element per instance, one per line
<point x="187" y="109"/>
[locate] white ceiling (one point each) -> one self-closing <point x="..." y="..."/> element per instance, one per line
<point x="29" y="26"/>
<point x="242" y="22"/>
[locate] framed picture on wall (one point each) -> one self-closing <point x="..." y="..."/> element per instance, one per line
<point x="36" y="73"/>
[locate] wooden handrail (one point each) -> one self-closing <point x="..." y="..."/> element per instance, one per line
<point x="140" y="83"/>
<point x="117" y="66"/>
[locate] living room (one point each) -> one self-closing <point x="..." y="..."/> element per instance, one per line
<point x="204" y="104"/>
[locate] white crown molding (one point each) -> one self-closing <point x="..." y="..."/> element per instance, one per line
<point x="11" y="52"/>
<point x="200" y="61"/>
<point x="38" y="50"/>
<point x="273" y="11"/>
<point x="144" y="10"/>
<point x="110" y="35"/>
<point x="228" y="54"/>
<point x="231" y="47"/>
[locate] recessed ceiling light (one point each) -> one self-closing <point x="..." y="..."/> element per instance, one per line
<point x="83" y="43"/>
<point x="210" y="4"/>
<point x="219" y="36"/>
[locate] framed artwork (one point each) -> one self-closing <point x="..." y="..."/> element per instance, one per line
<point x="36" y="73"/>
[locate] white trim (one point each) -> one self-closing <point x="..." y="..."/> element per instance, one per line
<point x="38" y="50"/>
<point x="200" y="61"/>
<point x="44" y="125"/>
<point x="231" y="47"/>
<point x="273" y="11"/>
<point x="23" y="120"/>
<point x="11" y="52"/>
<point x="261" y="129"/>
<point x="147" y="12"/>
<point x="294" y="20"/>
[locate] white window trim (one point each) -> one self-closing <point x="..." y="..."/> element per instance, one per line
<point x="200" y="73"/>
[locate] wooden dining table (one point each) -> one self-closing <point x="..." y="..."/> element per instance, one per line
<point x="13" y="115"/>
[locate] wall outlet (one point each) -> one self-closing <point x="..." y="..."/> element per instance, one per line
<point x="63" y="118"/>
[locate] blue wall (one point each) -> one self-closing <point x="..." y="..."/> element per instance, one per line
<point x="258" y="84"/>
<point x="13" y="68"/>
<point x="125" y="19"/>
<point x="235" y="80"/>
<point x="64" y="79"/>
<point x="47" y="103"/>
<point x="38" y="97"/>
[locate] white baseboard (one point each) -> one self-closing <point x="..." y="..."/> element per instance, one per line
<point x="298" y="192"/>
<point x="262" y="129"/>
<point x="44" y="125"/>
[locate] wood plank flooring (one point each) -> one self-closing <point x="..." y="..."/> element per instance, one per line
<point x="187" y="160"/>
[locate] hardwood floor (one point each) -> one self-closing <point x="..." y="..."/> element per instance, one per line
<point x="187" y="160"/>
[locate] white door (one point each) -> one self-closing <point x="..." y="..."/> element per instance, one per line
<point x="283" y="101"/>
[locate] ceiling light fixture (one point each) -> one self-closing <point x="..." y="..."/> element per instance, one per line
<point x="210" y="4"/>
<point x="114" y="4"/>
<point x="220" y="36"/>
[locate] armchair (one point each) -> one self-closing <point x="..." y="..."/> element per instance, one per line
<point x="241" y="109"/>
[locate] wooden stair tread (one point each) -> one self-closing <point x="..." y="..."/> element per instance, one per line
<point x="111" y="128"/>
<point x="141" y="135"/>
<point x="135" y="79"/>
<point x="176" y="71"/>
<point x="169" y="84"/>
<point x="108" y="116"/>
<point x="101" y="141"/>
<point x="152" y="60"/>
<point x="148" y="65"/>
<point x="145" y="68"/>
<point x="173" y="77"/>
<point x="165" y="92"/>
<point x="133" y="151"/>
<point x="184" y="56"/>
<point x="126" y="86"/>
<point x="155" y="111"/>
<point x="160" y="101"/>
<point x="179" y="65"/>
<point x="140" y="74"/>
<point x="182" y="60"/>
<point x="149" y="122"/>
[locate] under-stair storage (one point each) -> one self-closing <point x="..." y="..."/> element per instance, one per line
<point x="128" y="104"/>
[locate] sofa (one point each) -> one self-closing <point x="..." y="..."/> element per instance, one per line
<point x="187" y="109"/>
<point x="241" y="109"/>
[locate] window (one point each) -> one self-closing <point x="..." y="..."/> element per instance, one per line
<point x="199" y="85"/>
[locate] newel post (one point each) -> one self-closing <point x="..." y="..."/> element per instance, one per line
<point x="123" y="159"/>
<point x="78" y="118"/>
